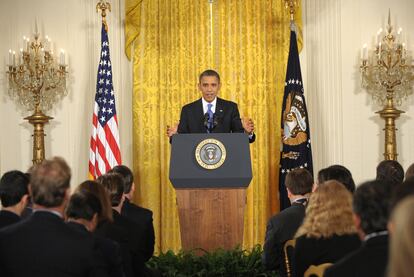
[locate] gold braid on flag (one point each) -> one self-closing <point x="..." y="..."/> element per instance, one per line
<point x="171" y="48"/>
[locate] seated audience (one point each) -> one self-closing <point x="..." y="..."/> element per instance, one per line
<point x="338" y="173"/>
<point x="126" y="232"/>
<point x="283" y="226"/>
<point x="43" y="245"/>
<point x="82" y="215"/>
<point x="390" y="172"/>
<point x="401" y="229"/>
<point x="134" y="212"/>
<point x="410" y="171"/>
<point x="371" y="209"/>
<point x="14" y="196"/>
<point x="327" y="233"/>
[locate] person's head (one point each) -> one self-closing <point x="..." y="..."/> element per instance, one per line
<point x="84" y="208"/>
<point x="338" y="173"/>
<point x="371" y="207"/>
<point x="401" y="192"/>
<point x="14" y="190"/>
<point x="298" y="182"/>
<point x="99" y="191"/>
<point x="410" y="171"/>
<point x="401" y="228"/>
<point x="50" y="183"/>
<point x="209" y="84"/>
<point x="329" y="212"/>
<point x="114" y="186"/>
<point x="127" y="176"/>
<point x="390" y="171"/>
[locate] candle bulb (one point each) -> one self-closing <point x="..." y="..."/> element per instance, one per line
<point x="46" y="44"/>
<point x="14" y="58"/>
<point x="10" y="57"/>
<point x="379" y="35"/>
<point x="364" y="52"/>
<point x="399" y="35"/>
<point x="28" y="44"/>
<point x="21" y="56"/>
<point x="62" y="57"/>
<point x="36" y="30"/>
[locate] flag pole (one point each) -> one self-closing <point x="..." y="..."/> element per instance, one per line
<point x="291" y="5"/>
<point x="103" y="6"/>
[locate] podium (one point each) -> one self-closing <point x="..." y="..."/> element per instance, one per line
<point x="210" y="173"/>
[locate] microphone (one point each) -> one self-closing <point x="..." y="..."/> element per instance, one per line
<point x="216" y="120"/>
<point x="205" y="121"/>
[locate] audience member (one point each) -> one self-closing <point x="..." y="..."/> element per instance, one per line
<point x="43" y="245"/>
<point x="401" y="192"/>
<point x="410" y="171"/>
<point x="82" y="215"/>
<point x="391" y="172"/>
<point x="401" y="229"/>
<point x="327" y="233"/>
<point x="371" y="209"/>
<point x="99" y="191"/>
<point x="283" y="226"/>
<point x="338" y="173"/>
<point x="134" y="212"/>
<point x="14" y="196"/>
<point x="126" y="232"/>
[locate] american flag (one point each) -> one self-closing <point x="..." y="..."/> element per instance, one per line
<point x="104" y="152"/>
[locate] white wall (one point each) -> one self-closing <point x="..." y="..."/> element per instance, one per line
<point x="76" y="27"/>
<point x="344" y="127"/>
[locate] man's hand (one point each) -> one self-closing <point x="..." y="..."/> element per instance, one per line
<point x="172" y="130"/>
<point x="248" y="125"/>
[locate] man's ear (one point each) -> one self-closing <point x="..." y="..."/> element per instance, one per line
<point x="25" y="200"/>
<point x="391" y="227"/>
<point x="289" y="193"/>
<point x="357" y="221"/>
<point x="314" y="187"/>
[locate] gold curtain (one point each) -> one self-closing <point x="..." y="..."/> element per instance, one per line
<point x="171" y="43"/>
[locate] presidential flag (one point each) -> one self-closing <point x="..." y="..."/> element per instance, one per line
<point x="104" y="147"/>
<point x="296" y="149"/>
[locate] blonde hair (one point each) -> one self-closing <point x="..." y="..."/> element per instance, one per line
<point x="329" y="212"/>
<point x="402" y="240"/>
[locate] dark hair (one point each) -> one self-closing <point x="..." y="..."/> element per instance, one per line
<point x="100" y="192"/>
<point x="390" y="171"/>
<point x="49" y="181"/>
<point x="401" y="192"/>
<point x="299" y="181"/>
<point x="410" y="171"/>
<point x="114" y="186"/>
<point x="126" y="174"/>
<point x="13" y="186"/>
<point x="83" y="205"/>
<point x="209" y="72"/>
<point x="338" y="173"/>
<point x="371" y="204"/>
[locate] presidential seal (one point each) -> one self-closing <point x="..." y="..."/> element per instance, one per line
<point x="210" y="154"/>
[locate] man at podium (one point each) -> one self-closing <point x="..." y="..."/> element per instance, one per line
<point x="211" y="114"/>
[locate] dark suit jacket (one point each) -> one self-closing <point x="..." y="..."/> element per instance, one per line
<point x="227" y="114"/>
<point x="8" y="218"/>
<point x="280" y="228"/>
<point x="313" y="251"/>
<point x="44" y="246"/>
<point x="143" y="217"/>
<point x="370" y="260"/>
<point x="130" y="237"/>
<point x="109" y="249"/>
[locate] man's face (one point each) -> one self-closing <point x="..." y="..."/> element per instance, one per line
<point x="209" y="87"/>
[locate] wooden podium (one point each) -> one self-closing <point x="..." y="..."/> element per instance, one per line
<point x="210" y="201"/>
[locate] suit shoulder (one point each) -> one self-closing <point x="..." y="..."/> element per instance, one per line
<point x="191" y="105"/>
<point x="227" y="102"/>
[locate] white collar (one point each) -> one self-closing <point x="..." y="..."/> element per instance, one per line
<point x="375" y="234"/>
<point x="205" y="103"/>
